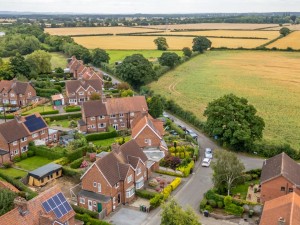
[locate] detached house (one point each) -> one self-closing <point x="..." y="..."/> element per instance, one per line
<point x="16" y="134"/>
<point x="79" y="91"/>
<point x="114" y="112"/>
<point x="280" y="176"/>
<point x="16" y="93"/>
<point x="113" y="179"/>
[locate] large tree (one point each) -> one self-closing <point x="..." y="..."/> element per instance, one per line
<point x="173" y="214"/>
<point x="233" y="121"/>
<point x="39" y="62"/>
<point x="200" y="44"/>
<point x="169" y="59"/>
<point x="284" y="31"/>
<point x="155" y="105"/>
<point x="187" y="51"/>
<point x="227" y="169"/>
<point x="99" y="56"/>
<point x="19" y="65"/>
<point x="6" y="72"/>
<point x="6" y="201"/>
<point x="136" y="70"/>
<point x="293" y="18"/>
<point x="161" y="43"/>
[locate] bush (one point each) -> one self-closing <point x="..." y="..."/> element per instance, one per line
<point x="101" y="136"/>
<point x="220" y="204"/>
<point x="7" y="117"/>
<point x="89" y="220"/>
<point x="72" y="108"/>
<point x="49" y="112"/>
<point x="76" y="163"/>
<point x="169" y="173"/>
<point x="62" y="161"/>
<point x="175" y="183"/>
<point x="65" y="117"/>
<point x="23" y="156"/>
<point x="208" y="208"/>
<point x="7" y="165"/>
<point x="145" y="194"/>
<point x="212" y="203"/>
<point x="156" y="201"/>
<point x="54" y="153"/>
<point x="187" y="170"/>
<point x="234" y="209"/>
<point x="76" y="154"/>
<point x="203" y="203"/>
<point x="17" y="159"/>
<point x="166" y="192"/>
<point x="81" y="210"/>
<point x="67" y="171"/>
<point x="30" y="153"/>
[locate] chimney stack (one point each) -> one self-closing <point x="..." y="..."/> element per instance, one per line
<point x="21" y="204"/>
<point x="281" y="221"/>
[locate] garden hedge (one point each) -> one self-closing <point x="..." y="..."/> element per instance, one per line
<point x="175" y="183"/>
<point x="145" y="194"/>
<point x="76" y="163"/>
<point x="54" y="153"/>
<point x="49" y="112"/>
<point x="72" y="108"/>
<point x="101" y="136"/>
<point x="89" y="220"/>
<point x="76" y="154"/>
<point x="64" y="117"/>
<point x="67" y="171"/>
<point x="7" y="117"/>
<point x="81" y="210"/>
<point x="156" y="201"/>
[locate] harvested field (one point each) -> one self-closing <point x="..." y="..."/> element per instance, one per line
<point x="269" y="80"/>
<point x="95" y="30"/>
<point x="292" y="41"/>
<point x="213" y="26"/>
<point x="146" y="43"/>
<point x="291" y="27"/>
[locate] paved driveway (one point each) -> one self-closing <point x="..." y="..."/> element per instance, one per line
<point x="127" y="216"/>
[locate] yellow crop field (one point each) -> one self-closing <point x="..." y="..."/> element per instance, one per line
<point x="227" y="33"/>
<point x="95" y="30"/>
<point x="292" y="40"/>
<point x="213" y="26"/>
<point x="144" y="42"/>
<point x="291" y="27"/>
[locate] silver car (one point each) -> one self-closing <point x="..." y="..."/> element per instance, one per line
<point x="206" y="162"/>
<point x="208" y="153"/>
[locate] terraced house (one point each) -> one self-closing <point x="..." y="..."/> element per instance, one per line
<point x="16" y="93"/>
<point x="113" y="179"/>
<point x="15" y="135"/>
<point x="79" y="91"/>
<point x="115" y="112"/>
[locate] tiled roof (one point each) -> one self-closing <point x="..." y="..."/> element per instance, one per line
<point x="281" y="165"/>
<point x="17" y="86"/>
<point x="126" y="105"/>
<point x="13" y="131"/>
<point x="73" y="85"/>
<point x="286" y="207"/>
<point x="94" y="108"/>
<point x="131" y="148"/>
<point x="35" y="211"/>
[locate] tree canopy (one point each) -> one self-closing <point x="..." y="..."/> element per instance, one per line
<point x="284" y="31"/>
<point x="227" y="169"/>
<point x="19" y="66"/>
<point x="99" y="56"/>
<point x="187" y="51"/>
<point x="136" y="70"/>
<point x="169" y="59"/>
<point x="6" y="201"/>
<point x="173" y="214"/>
<point x="200" y="44"/>
<point x="161" y="43"/>
<point x="233" y="121"/>
<point x="155" y="105"/>
<point x="39" y="62"/>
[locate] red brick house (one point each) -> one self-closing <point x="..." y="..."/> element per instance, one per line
<point x="113" y="179"/>
<point x="283" y="210"/>
<point x="280" y="176"/>
<point x="16" y="93"/>
<point x="114" y="112"/>
<point x="34" y="212"/>
<point x="79" y="91"/>
<point x="15" y="135"/>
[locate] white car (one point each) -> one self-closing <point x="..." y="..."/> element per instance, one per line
<point x="208" y="153"/>
<point x="206" y="162"/>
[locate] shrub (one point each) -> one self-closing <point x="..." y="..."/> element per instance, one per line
<point x="220" y="204"/>
<point x="203" y="203"/>
<point x="72" y="108"/>
<point x="81" y="210"/>
<point x="65" y="117"/>
<point x="62" y="161"/>
<point x="234" y="209"/>
<point x="166" y="192"/>
<point x="175" y="183"/>
<point x="187" y="170"/>
<point x="89" y="220"/>
<point x="208" y="208"/>
<point x="76" y="154"/>
<point x="30" y="153"/>
<point x="156" y="200"/>
<point x="101" y="136"/>
<point x="17" y="159"/>
<point x="145" y="194"/>
<point x="67" y="171"/>
<point x="24" y="156"/>
<point x="49" y="112"/>
<point x="7" y="165"/>
<point x="54" y="153"/>
<point x="7" y="117"/>
<point x="212" y="203"/>
<point x="76" y="163"/>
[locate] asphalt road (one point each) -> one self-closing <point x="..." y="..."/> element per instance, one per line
<point x="114" y="80"/>
<point x="201" y="181"/>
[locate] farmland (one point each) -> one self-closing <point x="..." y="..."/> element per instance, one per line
<point x="269" y="80"/>
<point x="292" y="41"/>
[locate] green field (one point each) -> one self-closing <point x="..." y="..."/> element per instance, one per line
<point x="58" y="60"/>
<point x="269" y="80"/>
<point x="119" y="55"/>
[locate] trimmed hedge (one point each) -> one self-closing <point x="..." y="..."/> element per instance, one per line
<point x="67" y="171"/>
<point x="81" y="210"/>
<point x="76" y="163"/>
<point x="169" y="173"/>
<point x="89" y="220"/>
<point x="54" y="153"/>
<point x="7" y="117"/>
<point x="62" y="161"/>
<point x="65" y="117"/>
<point x="49" y="112"/>
<point x="76" y="154"/>
<point x="101" y="136"/>
<point x="72" y="108"/>
<point x="156" y="201"/>
<point x="187" y="170"/>
<point x="145" y="194"/>
<point x="175" y="183"/>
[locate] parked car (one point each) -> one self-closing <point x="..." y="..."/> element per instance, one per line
<point x="206" y="162"/>
<point x="1" y="109"/>
<point x="12" y="109"/>
<point x="173" y="132"/>
<point x="208" y="153"/>
<point x="182" y="127"/>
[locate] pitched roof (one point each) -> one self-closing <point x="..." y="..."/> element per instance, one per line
<point x="286" y="207"/>
<point x="18" y="86"/>
<point x="34" y="122"/>
<point x="126" y="105"/>
<point x="73" y="85"/>
<point x="281" y="165"/>
<point x="45" y="170"/>
<point x="94" y="108"/>
<point x="4" y="184"/>
<point x="13" y="131"/>
<point x="35" y="211"/>
<point x="132" y="149"/>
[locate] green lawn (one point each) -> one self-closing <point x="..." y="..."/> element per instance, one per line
<point x="243" y="188"/>
<point x="13" y="172"/>
<point x="33" y="163"/>
<point x="39" y="109"/>
<point x="269" y="80"/>
<point x="58" y="60"/>
<point x="110" y="141"/>
<point x="119" y="55"/>
<point x="62" y="123"/>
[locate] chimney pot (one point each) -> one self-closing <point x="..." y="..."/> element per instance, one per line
<point x="21" y="204"/>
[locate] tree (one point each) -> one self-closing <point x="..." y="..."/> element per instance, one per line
<point x="156" y="107"/>
<point x="30" y="44"/>
<point x="169" y="59"/>
<point x="161" y="43"/>
<point x="293" y="18"/>
<point x="136" y="70"/>
<point x="95" y="96"/>
<point x="200" y="44"/>
<point x="127" y="93"/>
<point x="6" y="72"/>
<point x="173" y="214"/>
<point x="19" y="65"/>
<point x="39" y="62"/>
<point x="227" y="169"/>
<point x="187" y="51"/>
<point x="99" y="56"/>
<point x="233" y="121"/>
<point x="7" y="201"/>
<point x="284" y="31"/>
<point x="123" y="86"/>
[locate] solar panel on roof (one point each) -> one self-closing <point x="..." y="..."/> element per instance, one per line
<point x="35" y="124"/>
<point x="30" y="117"/>
<point x="58" y="204"/>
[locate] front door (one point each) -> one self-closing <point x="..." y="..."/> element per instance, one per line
<point x="119" y="198"/>
<point x="90" y="203"/>
<point x="115" y="126"/>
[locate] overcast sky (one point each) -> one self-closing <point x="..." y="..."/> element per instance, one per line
<point x="150" y="6"/>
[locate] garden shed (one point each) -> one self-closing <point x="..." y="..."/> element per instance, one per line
<point x="44" y="174"/>
<point x="58" y="100"/>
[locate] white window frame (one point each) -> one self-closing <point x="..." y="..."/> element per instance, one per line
<point x="99" y="188"/>
<point x="138" y="171"/>
<point x="92" y="118"/>
<point x="113" y="116"/>
<point x="130" y="193"/>
<point x="121" y="115"/>
<point x="146" y="141"/>
<point x="35" y="135"/>
<point x="15" y="143"/>
<point x="139" y="184"/>
<point x="94" y="203"/>
<point x="23" y="139"/>
<point x="43" y="132"/>
<point x="95" y="184"/>
<point x="101" y="125"/>
<point x="117" y="185"/>
<point x="129" y="178"/>
<point x="16" y="151"/>
<point x="81" y="93"/>
<point x="132" y="114"/>
<point x="82" y="200"/>
<point x="101" y="117"/>
<point x="12" y="95"/>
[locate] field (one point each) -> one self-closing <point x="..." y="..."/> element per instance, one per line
<point x="58" y="60"/>
<point x="292" y="40"/>
<point x="70" y="31"/>
<point x="291" y="27"/>
<point x="269" y="80"/>
<point x="146" y="43"/>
